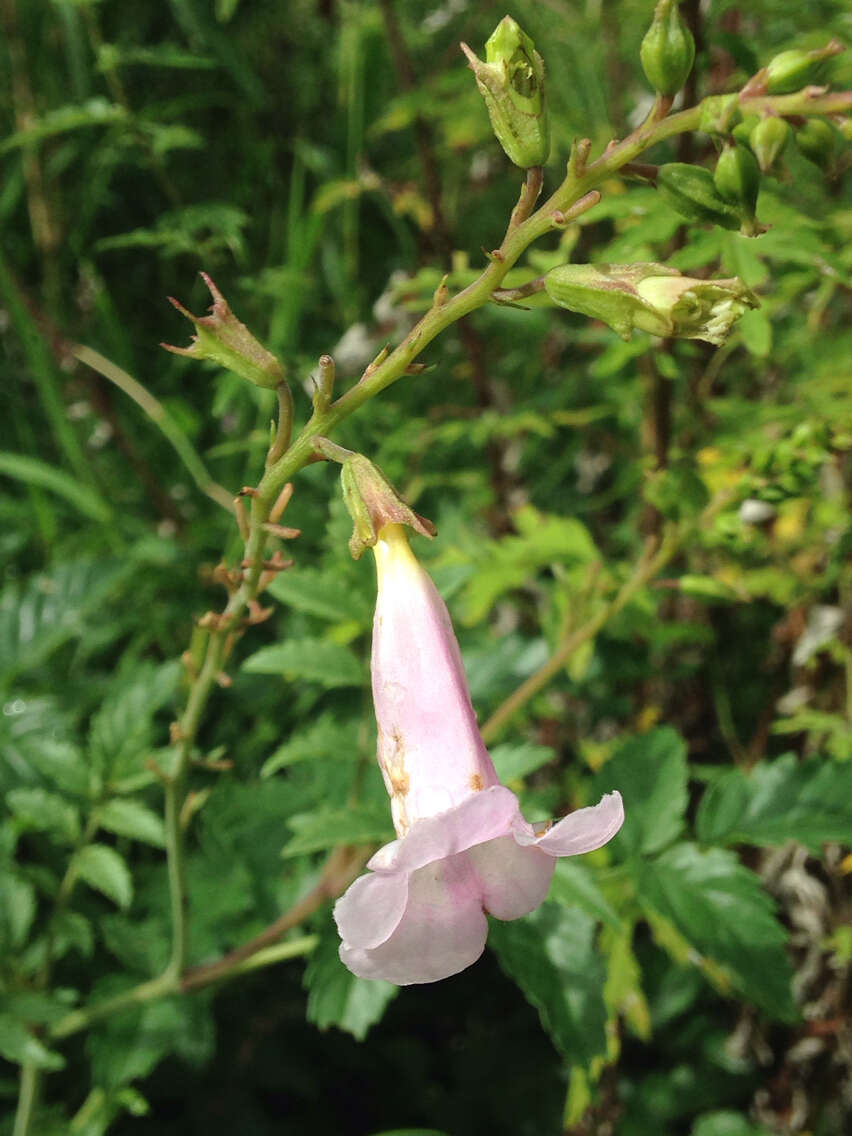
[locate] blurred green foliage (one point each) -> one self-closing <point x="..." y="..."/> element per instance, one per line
<point x="326" y="161"/>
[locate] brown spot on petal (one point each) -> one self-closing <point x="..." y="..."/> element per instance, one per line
<point x="399" y="780"/>
<point x="476" y="782"/>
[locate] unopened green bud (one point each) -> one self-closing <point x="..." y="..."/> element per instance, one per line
<point x="691" y="192"/>
<point x="737" y="178"/>
<point x="817" y="141"/>
<point x="792" y="70"/>
<point x="768" y="140"/>
<point x="371" y="500"/>
<point x="668" y="49"/>
<point x="742" y="131"/>
<point x="511" y="81"/>
<point x="651" y="297"/>
<point x="223" y="339"/>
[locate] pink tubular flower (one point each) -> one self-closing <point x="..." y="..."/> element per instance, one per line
<point x="463" y="847"/>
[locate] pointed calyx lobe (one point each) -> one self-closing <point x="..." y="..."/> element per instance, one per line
<point x="223" y="339"/>
<point x="462" y="848"/>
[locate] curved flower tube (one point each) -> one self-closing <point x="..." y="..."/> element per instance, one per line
<point x="463" y="847"/>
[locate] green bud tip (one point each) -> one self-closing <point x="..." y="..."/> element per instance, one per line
<point x="223" y="339"/>
<point x="768" y="139"/>
<point x="668" y="49"/>
<point x="511" y="80"/>
<point x="792" y="70"/>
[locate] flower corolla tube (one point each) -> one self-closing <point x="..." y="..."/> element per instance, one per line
<point x="462" y="848"/>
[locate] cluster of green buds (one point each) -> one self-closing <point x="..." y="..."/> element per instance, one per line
<point x="651" y="297"/>
<point x="668" y="50"/>
<point x="511" y="81"/>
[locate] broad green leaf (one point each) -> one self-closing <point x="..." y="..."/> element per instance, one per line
<point x="17" y="910"/>
<point x="121" y="733"/>
<point x="19" y="1045"/>
<point x="509" y="563"/>
<point x="575" y="885"/>
<point x="127" y="1046"/>
<point x="319" y="593"/>
<point x="336" y="997"/>
<point x="513" y="762"/>
<point x="36" y="618"/>
<point x="726" y="1123"/>
<point x="103" y="869"/>
<point x="786" y="799"/>
<point x="127" y="817"/>
<point x="312" y="660"/>
<point x="327" y="827"/>
<point x="325" y="738"/>
<point x="44" y="812"/>
<point x="31" y="471"/>
<point x="723" y="912"/>
<point x="58" y="761"/>
<point x="650" y="772"/>
<point x="95" y="112"/>
<point x="552" y="956"/>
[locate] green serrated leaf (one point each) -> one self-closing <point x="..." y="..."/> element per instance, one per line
<point x="326" y="827"/>
<point x="318" y="593"/>
<point x="312" y="660"/>
<point x="725" y="1122"/>
<point x="514" y="761"/>
<point x="120" y="736"/>
<point x="42" y="811"/>
<point x="127" y="817"/>
<point x="650" y="772"/>
<point x="551" y="955"/>
<point x="36" y="618"/>
<point x="775" y="801"/>
<point x="515" y="560"/>
<point x="575" y="885"/>
<point x="324" y="739"/>
<point x="103" y="869"/>
<point x="722" y="911"/>
<point x="31" y="471"/>
<point x="17" y="910"/>
<point x="336" y="997"/>
<point x="20" y="1046"/>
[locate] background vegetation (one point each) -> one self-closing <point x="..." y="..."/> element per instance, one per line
<point x="326" y="162"/>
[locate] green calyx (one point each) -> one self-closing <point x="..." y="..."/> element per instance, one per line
<point x="651" y="297"/>
<point x="817" y="140"/>
<point x="223" y="339"/>
<point x="511" y="80"/>
<point x="371" y="500"/>
<point x="668" y="49"/>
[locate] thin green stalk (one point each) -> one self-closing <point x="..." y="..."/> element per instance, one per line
<point x="28" y="1095"/>
<point x="160" y="417"/>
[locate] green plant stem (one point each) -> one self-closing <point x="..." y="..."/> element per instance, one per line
<point x="649" y="564"/>
<point x="159" y="416"/>
<point x="28" y="1094"/>
<point x="164" y="986"/>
